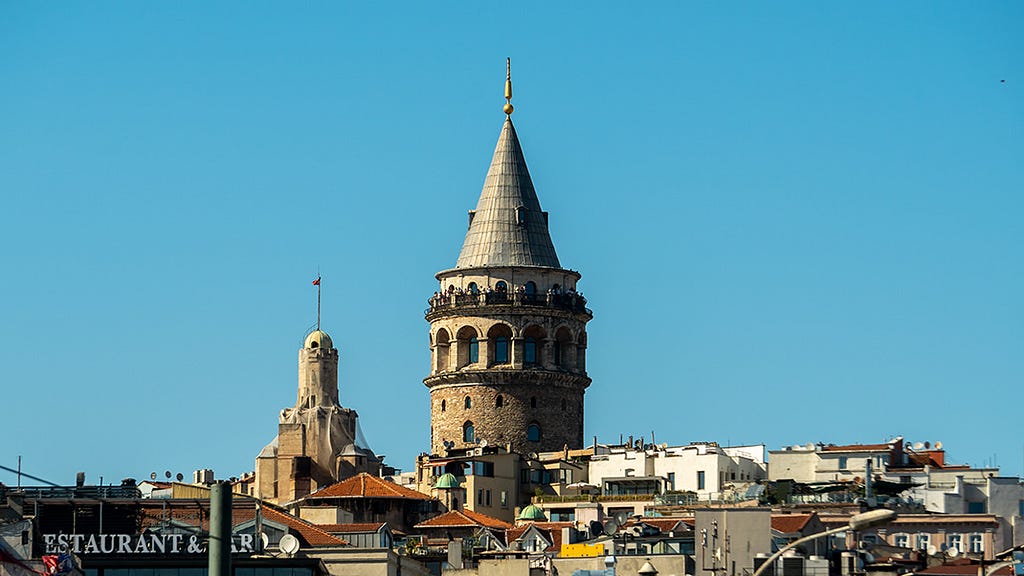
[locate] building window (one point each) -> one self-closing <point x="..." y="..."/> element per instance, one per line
<point x="922" y="541"/>
<point x="487" y="497"/>
<point x="473" y="288"/>
<point x="501" y="350"/>
<point x="955" y="542"/>
<point x="504" y="499"/>
<point x="901" y="541"/>
<point x="557" y="353"/>
<point x="843" y="462"/>
<point x="1020" y="508"/>
<point x="474" y="350"/>
<point x="976" y="507"/>
<point x="501" y="286"/>
<point x="499" y="401"/>
<point x="671" y="480"/>
<point x="444" y="405"/>
<point x="976" y="544"/>
<point x="468" y="402"/>
<point x="533" y="433"/>
<point x="468" y="434"/>
<point x="531" y="288"/>
<point x="530" y="351"/>
<point x="700" y="479"/>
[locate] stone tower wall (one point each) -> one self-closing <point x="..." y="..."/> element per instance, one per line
<point x="318" y="377"/>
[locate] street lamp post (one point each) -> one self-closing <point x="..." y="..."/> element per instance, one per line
<point x="857" y="522"/>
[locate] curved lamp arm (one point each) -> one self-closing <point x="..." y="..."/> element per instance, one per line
<point x="857" y="522"/>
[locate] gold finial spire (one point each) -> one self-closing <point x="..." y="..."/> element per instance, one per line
<point x="508" y="87"/>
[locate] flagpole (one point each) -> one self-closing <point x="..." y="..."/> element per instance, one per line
<point x="318" y="302"/>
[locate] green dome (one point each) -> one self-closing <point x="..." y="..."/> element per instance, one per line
<point x="447" y="480"/>
<point x="532" y="512"/>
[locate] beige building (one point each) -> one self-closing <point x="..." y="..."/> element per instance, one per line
<point x="316" y="443"/>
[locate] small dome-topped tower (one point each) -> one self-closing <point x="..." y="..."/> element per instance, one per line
<point x="318" y="339"/>
<point x="507" y="326"/>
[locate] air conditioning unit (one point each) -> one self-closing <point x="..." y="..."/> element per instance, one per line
<point x="478" y="451"/>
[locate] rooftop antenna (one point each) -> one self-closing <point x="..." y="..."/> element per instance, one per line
<point x="317" y="284"/>
<point x="508" y="88"/>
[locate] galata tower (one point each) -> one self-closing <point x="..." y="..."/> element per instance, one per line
<point x="507" y="325"/>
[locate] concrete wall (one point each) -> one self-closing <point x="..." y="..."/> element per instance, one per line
<point x="741" y="535"/>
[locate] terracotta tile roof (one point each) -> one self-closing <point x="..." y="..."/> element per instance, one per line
<point x="790" y="523"/>
<point x="352" y="527"/>
<point x="364" y="485"/>
<point x="857" y="448"/>
<point x="464" y="519"/>
<point x="197" y="513"/>
<point x="834" y="520"/>
<point x="550" y="530"/>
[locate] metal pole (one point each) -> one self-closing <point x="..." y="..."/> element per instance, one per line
<point x="219" y="547"/>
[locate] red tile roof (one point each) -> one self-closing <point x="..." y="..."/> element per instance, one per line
<point x="364" y="485"/>
<point x="664" y="524"/>
<point x="197" y="513"/>
<point x="790" y="523"/>
<point x="351" y="527"/>
<point x="551" y="530"/>
<point x="464" y="519"/>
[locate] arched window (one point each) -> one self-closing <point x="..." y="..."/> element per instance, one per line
<point x="533" y="433"/>
<point x="474" y="350"/>
<point x="531" y="288"/>
<point x="473" y="288"/>
<point x="469" y="402"/>
<point x="501" y="350"/>
<point x="467" y="347"/>
<point x="533" y="402"/>
<point x="501" y="286"/>
<point x="468" y="434"/>
<point x="444" y="404"/>
<point x="530" y="350"/>
<point x="499" y="401"/>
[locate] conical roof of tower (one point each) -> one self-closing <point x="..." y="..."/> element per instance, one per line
<point x="508" y="227"/>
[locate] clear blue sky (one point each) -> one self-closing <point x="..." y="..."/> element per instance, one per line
<point x="796" y="221"/>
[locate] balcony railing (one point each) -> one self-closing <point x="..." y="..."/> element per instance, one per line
<point x="572" y="301"/>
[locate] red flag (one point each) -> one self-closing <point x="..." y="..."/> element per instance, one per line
<point x="316" y="282"/>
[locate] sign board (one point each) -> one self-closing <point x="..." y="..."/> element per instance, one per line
<point x="582" y="550"/>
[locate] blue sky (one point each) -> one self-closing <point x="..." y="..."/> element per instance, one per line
<point x="796" y="221"/>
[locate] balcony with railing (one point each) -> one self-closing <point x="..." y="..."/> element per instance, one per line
<point x="568" y="301"/>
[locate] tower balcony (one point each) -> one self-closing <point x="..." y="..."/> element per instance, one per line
<point x="466" y="302"/>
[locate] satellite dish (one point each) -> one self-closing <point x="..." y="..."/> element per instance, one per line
<point x="918" y="445"/>
<point x="621" y="517"/>
<point x="483" y="443"/>
<point x="938" y="445"/>
<point x="809" y="446"/>
<point x="611" y="527"/>
<point x="931" y="549"/>
<point x="167" y="474"/>
<point x="596" y="529"/>
<point x="531" y="456"/>
<point x="179" y="477"/>
<point x="289" y="544"/>
<point x="927" y="445"/>
<point x="953" y="552"/>
<point x="152" y="475"/>
<point x="265" y="540"/>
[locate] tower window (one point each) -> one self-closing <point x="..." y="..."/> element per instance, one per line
<point x="533" y="433"/>
<point x="501" y="350"/>
<point x="444" y="404"/>
<point x="531" y="287"/>
<point x="499" y="401"/>
<point x="533" y="402"/>
<point x="557" y="350"/>
<point x="474" y="351"/>
<point x="468" y="434"/>
<point x="469" y="402"/>
<point x="501" y="286"/>
<point x="473" y="287"/>
<point x="530" y="351"/>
